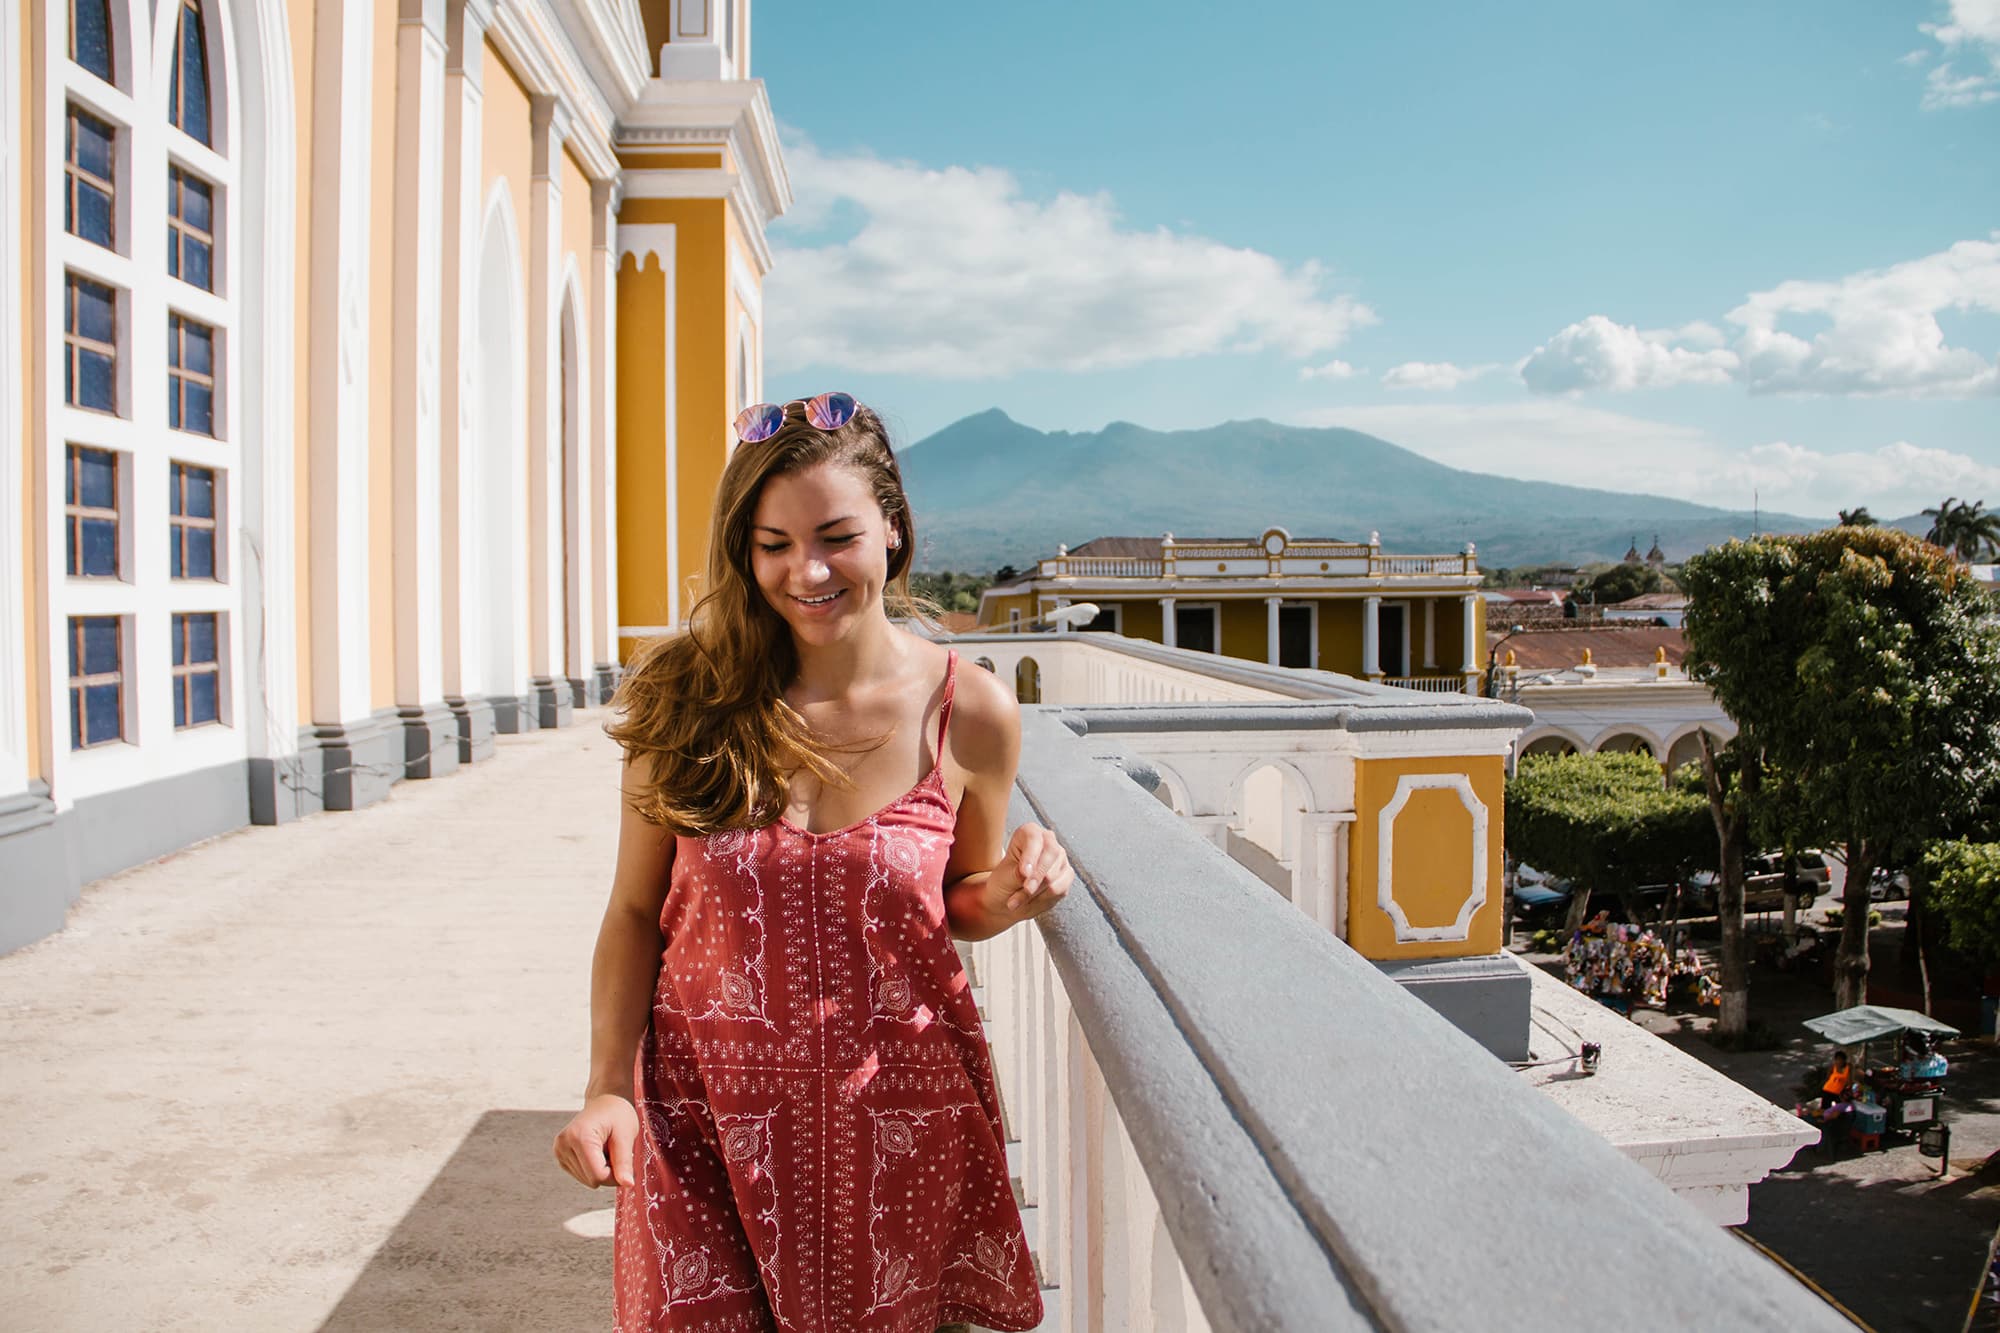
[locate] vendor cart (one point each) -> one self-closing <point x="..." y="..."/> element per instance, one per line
<point x="1909" y="1091"/>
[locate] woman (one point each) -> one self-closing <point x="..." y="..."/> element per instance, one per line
<point x="815" y="806"/>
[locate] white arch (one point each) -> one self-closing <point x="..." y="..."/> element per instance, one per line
<point x="1285" y="766"/>
<point x="1178" y="799"/>
<point x="1542" y="733"/>
<point x="493" y="471"/>
<point x="217" y="27"/>
<point x="1618" y="730"/>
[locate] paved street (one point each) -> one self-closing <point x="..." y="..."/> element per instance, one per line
<point x="306" y="1077"/>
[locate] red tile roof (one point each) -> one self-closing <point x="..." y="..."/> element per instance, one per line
<point x="1544" y="649"/>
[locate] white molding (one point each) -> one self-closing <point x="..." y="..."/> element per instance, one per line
<point x="640" y="239"/>
<point x="14" y="504"/>
<point x="544" y="531"/>
<point x="539" y="50"/>
<point x="415" y="320"/>
<point x="1385" y="875"/>
<point x="577" y="475"/>
<point x="493" y="623"/>
<point x="748" y="294"/>
<point x="603" y="431"/>
<point x="463" y="224"/>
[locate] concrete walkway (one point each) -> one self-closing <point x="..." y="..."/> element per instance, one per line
<point x="306" y="1077"/>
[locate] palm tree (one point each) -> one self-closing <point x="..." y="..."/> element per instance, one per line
<point x="1857" y="518"/>
<point x="1965" y="528"/>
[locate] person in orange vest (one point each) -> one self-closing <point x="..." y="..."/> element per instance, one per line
<point x="1837" y="1080"/>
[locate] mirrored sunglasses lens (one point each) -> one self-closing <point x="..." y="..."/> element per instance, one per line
<point x="759" y="422"/>
<point x="831" y="411"/>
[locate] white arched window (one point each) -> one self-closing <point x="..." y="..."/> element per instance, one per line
<point x="142" y="449"/>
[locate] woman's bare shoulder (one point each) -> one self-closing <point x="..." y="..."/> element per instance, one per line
<point x="985" y="719"/>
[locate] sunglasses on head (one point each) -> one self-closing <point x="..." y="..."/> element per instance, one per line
<point x="760" y="421"/>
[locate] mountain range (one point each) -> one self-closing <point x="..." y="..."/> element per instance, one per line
<point x="989" y="491"/>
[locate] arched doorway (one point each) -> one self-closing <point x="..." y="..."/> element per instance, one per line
<point x="1028" y="681"/>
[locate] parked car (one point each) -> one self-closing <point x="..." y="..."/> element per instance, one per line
<point x="1886" y="883"/>
<point x="1764" y="882"/>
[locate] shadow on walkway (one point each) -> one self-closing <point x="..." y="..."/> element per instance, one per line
<point x="486" y="1247"/>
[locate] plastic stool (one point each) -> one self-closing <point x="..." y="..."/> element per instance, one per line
<point x="1865" y="1140"/>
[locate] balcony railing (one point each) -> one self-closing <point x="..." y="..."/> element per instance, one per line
<point x="1454" y="684"/>
<point x="1251" y="561"/>
<point x="1229" y="1120"/>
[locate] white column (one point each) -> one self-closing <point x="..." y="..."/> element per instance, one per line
<point x="342" y="168"/>
<point x="414" y="325"/>
<point x="549" y="125"/>
<point x="1271" y="605"/>
<point x="1167" y="621"/>
<point x="1471" y="655"/>
<point x="603" y="647"/>
<point x="14" y="738"/>
<point x="459" y="619"/>
<point x="1371" y="637"/>
<point x="697" y="33"/>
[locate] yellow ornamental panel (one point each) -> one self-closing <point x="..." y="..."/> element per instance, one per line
<point x="1425" y="857"/>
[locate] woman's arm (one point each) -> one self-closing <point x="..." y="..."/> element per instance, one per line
<point x="624" y="971"/>
<point x="992" y="881"/>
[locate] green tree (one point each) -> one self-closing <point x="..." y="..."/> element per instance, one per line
<point x="1964" y="880"/>
<point x="1855" y="661"/>
<point x="1604" y="822"/>
<point x="1857" y="518"/>
<point x="1621" y="583"/>
<point x="1964" y="527"/>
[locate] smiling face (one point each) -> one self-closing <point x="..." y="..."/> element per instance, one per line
<point x="819" y="551"/>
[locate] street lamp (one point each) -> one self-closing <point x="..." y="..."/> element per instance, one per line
<point x="1056" y="619"/>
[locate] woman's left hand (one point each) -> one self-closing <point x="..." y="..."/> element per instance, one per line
<point x="1031" y="878"/>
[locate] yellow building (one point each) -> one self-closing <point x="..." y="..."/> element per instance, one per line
<point x="1411" y="620"/>
<point x="367" y="369"/>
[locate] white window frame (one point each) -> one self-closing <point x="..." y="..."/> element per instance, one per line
<point x="1312" y="610"/>
<point x="1214" y="609"/>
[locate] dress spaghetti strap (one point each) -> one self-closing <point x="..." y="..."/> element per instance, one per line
<point x="944" y="710"/>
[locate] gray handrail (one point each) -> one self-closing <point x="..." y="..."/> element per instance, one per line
<point x="1328" y="1153"/>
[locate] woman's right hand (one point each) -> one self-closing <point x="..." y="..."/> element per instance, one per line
<point x="596" y="1145"/>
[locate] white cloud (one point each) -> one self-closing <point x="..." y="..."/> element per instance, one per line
<point x="1563" y="441"/>
<point x="1432" y="376"/>
<point x="1332" y="370"/>
<point x="957" y="273"/>
<point x="1600" y="354"/>
<point x="1972" y="32"/>
<point x="1877" y="334"/>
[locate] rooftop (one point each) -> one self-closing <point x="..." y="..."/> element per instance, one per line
<point x="1544" y="648"/>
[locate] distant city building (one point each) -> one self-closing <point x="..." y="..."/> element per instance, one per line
<point x="1606" y="688"/>
<point x="1412" y="620"/>
<point x="1668" y="608"/>
<point x="366" y="373"/>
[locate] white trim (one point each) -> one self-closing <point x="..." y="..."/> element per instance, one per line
<point x="640" y="239"/>
<point x="464" y="224"/>
<point x="14" y="509"/>
<point x="603" y="648"/>
<point x="644" y="631"/>
<point x="574" y="465"/>
<point x="748" y="294"/>
<point x="493" y="629"/>
<point x="1385" y="875"/>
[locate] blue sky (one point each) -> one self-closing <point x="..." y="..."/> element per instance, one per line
<point x="1696" y="249"/>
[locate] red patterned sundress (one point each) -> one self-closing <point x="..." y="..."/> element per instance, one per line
<point x="820" y="1147"/>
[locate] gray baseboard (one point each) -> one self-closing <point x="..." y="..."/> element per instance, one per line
<point x="579" y="691"/>
<point x="287" y="788"/>
<point x="46" y="858"/>
<point x="1487" y="997"/>
<point x="430" y="740"/>
<point x="512" y="713"/>
<point x="604" y="678"/>
<point x="474" y="720"/>
<point x="553" y="703"/>
<point x="361" y="760"/>
<point x="38" y="878"/>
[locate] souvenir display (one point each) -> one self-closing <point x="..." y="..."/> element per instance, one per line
<point x="1626" y="966"/>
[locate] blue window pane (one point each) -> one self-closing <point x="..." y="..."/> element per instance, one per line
<point x="174" y="388"/>
<point x="191" y="200"/>
<point x="96" y="310"/>
<point x="90" y="35"/>
<point x="101" y="704"/>
<point x="92" y="219"/>
<point x="180" y="704"/>
<point x="198" y="484"/>
<point x="198" y="352"/>
<point x="173" y="253"/>
<point x="201" y="638"/>
<point x="73" y="557"/>
<point x="175" y="565"/>
<point x="199" y="416"/>
<point x="179" y="638"/>
<point x="97" y="384"/>
<point x="92" y="143"/>
<point x="100" y="548"/>
<point x="96" y="478"/>
<point x="76" y="719"/>
<point x="204" y="706"/>
<point x="100" y="645"/>
<point x="200" y="554"/>
<point x="191" y="109"/>
<point x="195" y="267"/>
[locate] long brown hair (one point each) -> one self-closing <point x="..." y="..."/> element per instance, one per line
<point x="703" y="713"/>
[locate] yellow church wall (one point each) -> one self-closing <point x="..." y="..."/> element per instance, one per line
<point x="576" y="240"/>
<point x="702" y="344"/>
<point x="506" y="151"/>
<point x="302" y="21"/>
<point x="1245" y="629"/>
<point x="642" y="463"/>
<point x="1340" y="634"/>
<point x="1141" y="620"/>
<point x="382" y="352"/>
<point x="1432" y="856"/>
<point x="997" y="608"/>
